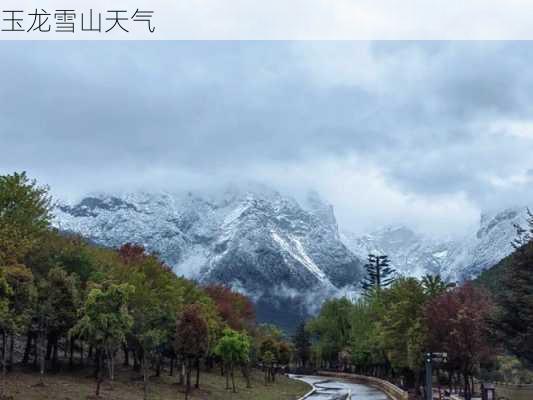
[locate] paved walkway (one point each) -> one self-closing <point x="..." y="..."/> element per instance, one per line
<point x="339" y="389"/>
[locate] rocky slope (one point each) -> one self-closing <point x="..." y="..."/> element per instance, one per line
<point x="456" y="259"/>
<point x="288" y="257"/>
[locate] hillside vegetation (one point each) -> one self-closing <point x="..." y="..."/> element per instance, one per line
<point x="67" y="304"/>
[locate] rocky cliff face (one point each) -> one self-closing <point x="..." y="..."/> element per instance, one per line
<point x="456" y="259"/>
<point x="286" y="256"/>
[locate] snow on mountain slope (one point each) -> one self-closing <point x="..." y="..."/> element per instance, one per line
<point x="288" y="256"/>
<point x="258" y="241"/>
<point x="462" y="258"/>
<point x="411" y="254"/>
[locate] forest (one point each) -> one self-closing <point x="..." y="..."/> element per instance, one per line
<point x="484" y="326"/>
<point x="67" y="304"/>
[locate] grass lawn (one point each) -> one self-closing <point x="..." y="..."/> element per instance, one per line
<point x="80" y="385"/>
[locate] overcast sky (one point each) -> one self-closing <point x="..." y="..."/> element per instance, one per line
<point x="429" y="134"/>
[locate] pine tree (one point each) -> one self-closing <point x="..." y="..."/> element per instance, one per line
<point x="515" y="317"/>
<point x="379" y="273"/>
<point x="434" y="285"/>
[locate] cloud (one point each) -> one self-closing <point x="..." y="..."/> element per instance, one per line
<point x="425" y="133"/>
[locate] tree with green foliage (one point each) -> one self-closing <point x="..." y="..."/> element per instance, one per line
<point x="56" y="311"/>
<point x="434" y="285"/>
<point x="104" y="322"/>
<point x="21" y="303"/>
<point x="364" y="344"/>
<point x="332" y="327"/>
<point x="6" y="323"/>
<point x="156" y="299"/>
<point x="233" y="348"/>
<point x="514" y="318"/>
<point x="269" y="358"/>
<point x="400" y="327"/>
<point x="25" y="213"/>
<point x="379" y="274"/>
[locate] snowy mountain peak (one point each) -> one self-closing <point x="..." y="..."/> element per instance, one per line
<point x="259" y="241"/>
<point x="413" y="254"/>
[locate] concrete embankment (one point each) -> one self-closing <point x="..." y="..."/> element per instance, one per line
<point x="393" y="391"/>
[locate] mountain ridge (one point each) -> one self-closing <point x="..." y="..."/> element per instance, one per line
<point x="288" y="256"/>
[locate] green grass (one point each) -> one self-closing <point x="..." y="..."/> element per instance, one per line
<point x="128" y="386"/>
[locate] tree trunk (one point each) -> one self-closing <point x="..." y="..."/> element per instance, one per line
<point x="467" y="393"/>
<point x="246" y="375"/>
<point x="111" y="365"/>
<point x="54" y="352"/>
<point x="100" y="371"/>
<point x="4" y="360"/>
<point x="171" y="373"/>
<point x="233" y="379"/>
<point x="42" y="354"/>
<point x="126" y="355"/>
<point x="197" y="383"/>
<point x="71" y="355"/>
<point x="136" y="361"/>
<point x="11" y="351"/>
<point x="181" y="371"/>
<point x="145" y="378"/>
<point x="27" y="349"/>
<point x="188" y="377"/>
<point x="158" y="365"/>
<point x="227" y="377"/>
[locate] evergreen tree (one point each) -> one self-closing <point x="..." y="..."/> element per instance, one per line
<point x="434" y="285"/>
<point x="514" y="321"/>
<point x="379" y="273"/>
<point x="25" y="213"/>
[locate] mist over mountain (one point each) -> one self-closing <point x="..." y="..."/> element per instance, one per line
<point x="287" y="255"/>
<point x="456" y="259"/>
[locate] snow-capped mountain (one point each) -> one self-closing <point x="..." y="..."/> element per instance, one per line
<point x="281" y="253"/>
<point x="288" y="256"/>
<point x="413" y="254"/>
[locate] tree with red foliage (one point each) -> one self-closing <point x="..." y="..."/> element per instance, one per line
<point x="235" y="309"/>
<point x="192" y="337"/>
<point x="458" y="323"/>
<point x="131" y="253"/>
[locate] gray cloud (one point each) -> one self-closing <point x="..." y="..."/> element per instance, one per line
<point x="387" y="131"/>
